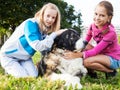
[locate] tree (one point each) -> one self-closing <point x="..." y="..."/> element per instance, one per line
<point x="13" y="12"/>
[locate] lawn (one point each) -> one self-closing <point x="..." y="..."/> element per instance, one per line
<point x="10" y="83"/>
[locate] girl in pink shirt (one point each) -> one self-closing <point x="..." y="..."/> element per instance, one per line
<point x="105" y="56"/>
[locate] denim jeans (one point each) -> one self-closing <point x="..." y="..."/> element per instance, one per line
<point x="114" y="63"/>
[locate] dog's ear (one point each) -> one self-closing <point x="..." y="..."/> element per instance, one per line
<point x="58" y="41"/>
<point x="41" y="67"/>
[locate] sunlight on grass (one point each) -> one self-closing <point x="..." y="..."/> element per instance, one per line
<point x="36" y="57"/>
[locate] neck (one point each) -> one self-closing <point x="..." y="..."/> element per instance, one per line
<point x="46" y="29"/>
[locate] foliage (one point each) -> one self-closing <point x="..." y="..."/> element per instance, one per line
<point x="13" y="12"/>
<point x="10" y="83"/>
<point x="118" y="38"/>
<point x="2" y="31"/>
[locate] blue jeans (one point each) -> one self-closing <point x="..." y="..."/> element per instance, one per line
<point x="114" y="64"/>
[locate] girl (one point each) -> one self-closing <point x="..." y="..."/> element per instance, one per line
<point x="29" y="37"/>
<point x="105" y="56"/>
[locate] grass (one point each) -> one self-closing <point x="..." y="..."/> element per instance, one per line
<point x="10" y="83"/>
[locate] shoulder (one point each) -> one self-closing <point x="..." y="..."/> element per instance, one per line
<point x="111" y="28"/>
<point x="112" y="31"/>
<point x="31" y="23"/>
<point x="111" y="34"/>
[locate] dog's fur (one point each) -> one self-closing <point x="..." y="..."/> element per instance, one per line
<point x="74" y="67"/>
<point x="70" y="80"/>
<point x="53" y="60"/>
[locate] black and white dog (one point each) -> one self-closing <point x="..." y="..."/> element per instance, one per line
<point x="68" y="40"/>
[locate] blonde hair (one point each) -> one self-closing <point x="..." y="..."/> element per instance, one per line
<point x="39" y="16"/>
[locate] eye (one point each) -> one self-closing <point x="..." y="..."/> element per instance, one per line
<point x="48" y="15"/>
<point x="102" y="15"/>
<point x="95" y="14"/>
<point x="53" y="17"/>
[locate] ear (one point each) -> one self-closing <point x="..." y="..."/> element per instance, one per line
<point x="109" y="19"/>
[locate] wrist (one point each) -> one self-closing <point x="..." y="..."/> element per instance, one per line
<point x="80" y="54"/>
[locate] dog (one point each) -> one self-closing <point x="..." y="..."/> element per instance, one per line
<point x="53" y="60"/>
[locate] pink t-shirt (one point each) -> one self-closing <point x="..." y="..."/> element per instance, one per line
<point x="107" y="43"/>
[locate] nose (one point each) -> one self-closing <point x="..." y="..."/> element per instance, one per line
<point x="50" y="19"/>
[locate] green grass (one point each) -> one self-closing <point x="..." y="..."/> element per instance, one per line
<point x="10" y="83"/>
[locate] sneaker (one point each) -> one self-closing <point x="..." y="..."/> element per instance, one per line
<point x="111" y="74"/>
<point x="92" y="74"/>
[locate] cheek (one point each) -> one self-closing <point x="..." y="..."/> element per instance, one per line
<point x="44" y="19"/>
<point x="93" y="18"/>
<point x="105" y="20"/>
<point x="53" y="20"/>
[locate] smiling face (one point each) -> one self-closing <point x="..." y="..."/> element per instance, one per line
<point x="49" y="17"/>
<point x="101" y="17"/>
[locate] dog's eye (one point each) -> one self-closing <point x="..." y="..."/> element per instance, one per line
<point x="71" y="38"/>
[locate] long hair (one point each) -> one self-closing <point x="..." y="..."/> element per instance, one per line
<point x="40" y="14"/>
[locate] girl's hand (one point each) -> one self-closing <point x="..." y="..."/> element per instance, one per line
<point x="60" y="31"/>
<point x="72" y="55"/>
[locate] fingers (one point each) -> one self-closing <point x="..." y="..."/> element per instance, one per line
<point x="67" y="55"/>
<point x="64" y="29"/>
<point x="60" y="31"/>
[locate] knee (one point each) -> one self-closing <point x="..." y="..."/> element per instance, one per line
<point x="86" y="63"/>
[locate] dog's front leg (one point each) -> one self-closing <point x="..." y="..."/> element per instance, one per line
<point x="61" y="69"/>
<point x="84" y="70"/>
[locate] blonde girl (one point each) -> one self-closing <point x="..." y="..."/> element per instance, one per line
<point x="34" y="34"/>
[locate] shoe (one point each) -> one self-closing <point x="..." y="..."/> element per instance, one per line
<point x="92" y="74"/>
<point x="111" y="74"/>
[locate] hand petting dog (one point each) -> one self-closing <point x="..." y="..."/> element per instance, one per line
<point x="69" y="55"/>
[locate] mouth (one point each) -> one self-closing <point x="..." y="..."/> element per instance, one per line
<point x="48" y="24"/>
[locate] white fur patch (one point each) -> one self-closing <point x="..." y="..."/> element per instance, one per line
<point x="72" y="67"/>
<point x="79" y="44"/>
<point x="69" y="79"/>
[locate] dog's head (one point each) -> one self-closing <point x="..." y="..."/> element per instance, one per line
<point x="67" y="40"/>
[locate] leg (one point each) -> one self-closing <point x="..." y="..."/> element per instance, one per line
<point x="98" y="62"/>
<point x="30" y="68"/>
<point x="13" y="67"/>
<point x="61" y="69"/>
